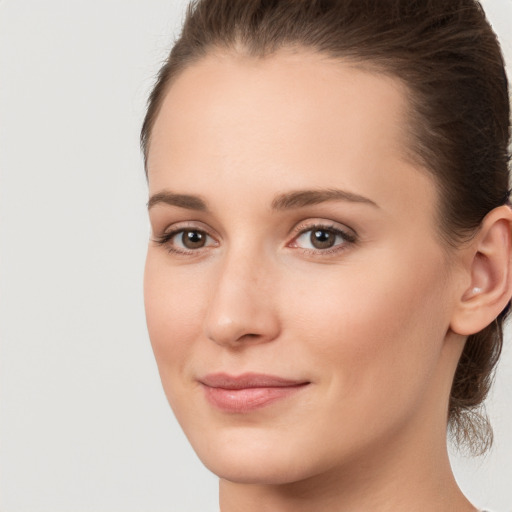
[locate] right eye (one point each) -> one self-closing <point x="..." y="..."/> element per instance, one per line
<point x="186" y="240"/>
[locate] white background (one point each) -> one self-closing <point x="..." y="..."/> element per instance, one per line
<point x="84" y="424"/>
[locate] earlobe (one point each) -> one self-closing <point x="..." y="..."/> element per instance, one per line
<point x="488" y="265"/>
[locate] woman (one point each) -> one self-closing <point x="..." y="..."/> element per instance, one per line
<point x="329" y="268"/>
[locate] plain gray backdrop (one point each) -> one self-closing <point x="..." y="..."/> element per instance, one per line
<point x="84" y="424"/>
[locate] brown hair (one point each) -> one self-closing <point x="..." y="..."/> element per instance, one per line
<point x="449" y="57"/>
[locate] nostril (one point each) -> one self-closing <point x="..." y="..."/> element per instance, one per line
<point x="248" y="338"/>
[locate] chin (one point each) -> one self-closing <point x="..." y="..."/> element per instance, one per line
<point x="258" y="470"/>
<point x="248" y="456"/>
<point x="255" y="457"/>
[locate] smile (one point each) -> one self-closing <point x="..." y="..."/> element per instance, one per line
<point x="247" y="392"/>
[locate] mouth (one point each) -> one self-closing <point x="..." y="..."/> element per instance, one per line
<point x="247" y="392"/>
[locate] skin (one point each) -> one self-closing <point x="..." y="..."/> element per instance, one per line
<point x="368" y="323"/>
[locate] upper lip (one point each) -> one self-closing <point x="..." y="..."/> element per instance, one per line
<point x="248" y="380"/>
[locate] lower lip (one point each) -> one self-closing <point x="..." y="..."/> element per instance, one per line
<point x="248" y="399"/>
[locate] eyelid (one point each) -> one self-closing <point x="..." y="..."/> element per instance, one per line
<point x="327" y="224"/>
<point x="348" y="235"/>
<point x="319" y="223"/>
<point x="192" y="225"/>
<point x="173" y="230"/>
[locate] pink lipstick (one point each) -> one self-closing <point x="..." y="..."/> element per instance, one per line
<point x="247" y="392"/>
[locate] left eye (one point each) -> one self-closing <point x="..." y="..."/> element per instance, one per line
<point x="319" y="238"/>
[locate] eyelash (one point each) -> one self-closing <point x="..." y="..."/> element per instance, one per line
<point x="165" y="239"/>
<point x="348" y="239"/>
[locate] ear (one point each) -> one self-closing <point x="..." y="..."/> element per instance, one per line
<point x="487" y="265"/>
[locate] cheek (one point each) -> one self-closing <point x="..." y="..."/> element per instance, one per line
<point x="174" y="303"/>
<point x="376" y="335"/>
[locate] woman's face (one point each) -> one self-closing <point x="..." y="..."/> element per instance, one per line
<point x="297" y="295"/>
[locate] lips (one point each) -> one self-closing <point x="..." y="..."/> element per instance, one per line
<point x="247" y="392"/>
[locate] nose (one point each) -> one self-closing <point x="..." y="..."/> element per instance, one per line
<point x="241" y="308"/>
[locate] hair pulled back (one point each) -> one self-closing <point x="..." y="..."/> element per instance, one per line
<point x="449" y="58"/>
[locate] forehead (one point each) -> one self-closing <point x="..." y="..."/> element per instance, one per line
<point x="239" y="95"/>
<point x="295" y="118"/>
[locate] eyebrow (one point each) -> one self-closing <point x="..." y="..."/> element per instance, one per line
<point x="186" y="201"/>
<point x="302" y="198"/>
<point x="286" y="201"/>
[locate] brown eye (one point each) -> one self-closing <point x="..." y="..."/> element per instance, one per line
<point x="192" y="239"/>
<point x="186" y="241"/>
<point x="322" y="238"/>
